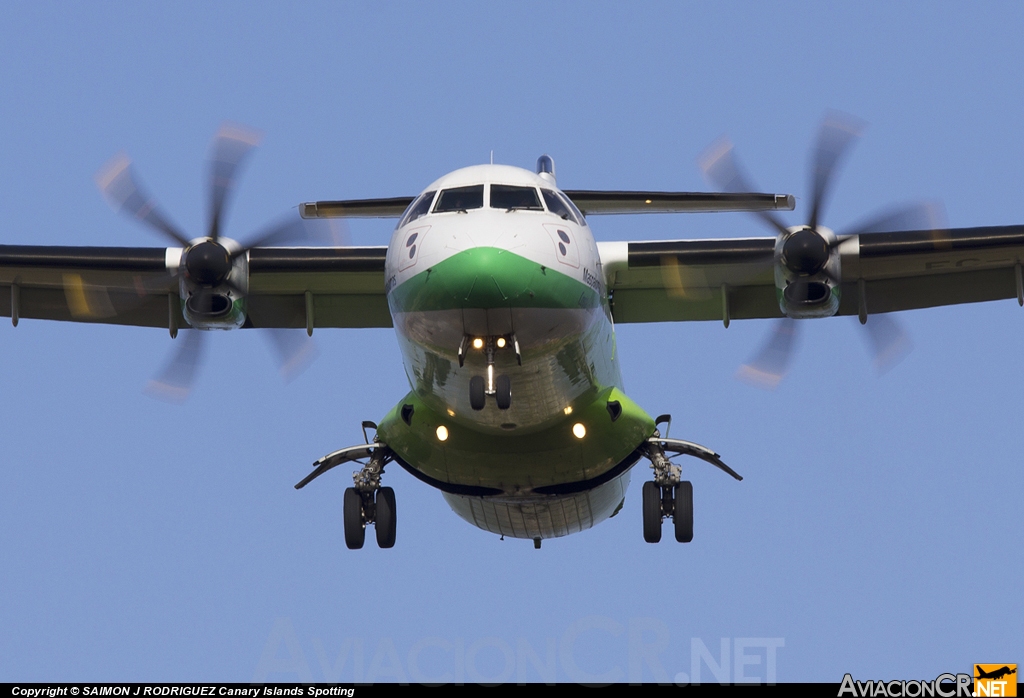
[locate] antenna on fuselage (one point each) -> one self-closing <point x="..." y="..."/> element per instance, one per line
<point x="492" y="157"/>
<point x="546" y="168"/>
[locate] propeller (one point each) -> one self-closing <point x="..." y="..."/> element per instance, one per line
<point x="806" y="251"/>
<point x="207" y="261"/>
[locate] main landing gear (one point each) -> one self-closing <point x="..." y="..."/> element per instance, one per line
<point x="500" y="387"/>
<point x="367" y="502"/>
<point x="667" y="496"/>
<point x="673" y="501"/>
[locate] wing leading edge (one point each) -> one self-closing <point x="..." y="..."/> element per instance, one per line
<point x="591" y="202"/>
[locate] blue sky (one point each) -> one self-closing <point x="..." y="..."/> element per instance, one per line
<point x="878" y="528"/>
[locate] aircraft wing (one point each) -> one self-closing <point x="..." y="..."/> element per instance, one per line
<point x="131" y="286"/>
<point x="881" y="272"/>
<point x="589" y="201"/>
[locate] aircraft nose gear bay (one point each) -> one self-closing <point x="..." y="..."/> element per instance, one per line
<point x="504" y="307"/>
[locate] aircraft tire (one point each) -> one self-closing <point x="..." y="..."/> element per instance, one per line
<point x="683" y="517"/>
<point x="385" y="518"/>
<point x="477" y="397"/>
<point x="503" y="392"/>
<point x="652" y="512"/>
<point x="355" y="533"/>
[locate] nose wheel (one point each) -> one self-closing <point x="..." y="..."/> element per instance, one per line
<point x="500" y="387"/>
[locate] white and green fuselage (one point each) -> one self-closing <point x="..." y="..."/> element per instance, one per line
<point x="556" y="460"/>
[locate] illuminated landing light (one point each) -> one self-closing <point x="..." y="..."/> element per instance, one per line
<point x="568" y="410"/>
<point x="648" y="201"/>
<point x="451" y="412"/>
<point x="501" y="342"/>
<point x="442" y="433"/>
<point x="578" y="430"/>
<point x="478" y="343"/>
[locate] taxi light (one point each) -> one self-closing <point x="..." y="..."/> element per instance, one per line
<point x="501" y="342"/>
<point x="478" y="343"/>
<point x="442" y="433"/>
<point x="578" y="430"/>
<point x="568" y="410"/>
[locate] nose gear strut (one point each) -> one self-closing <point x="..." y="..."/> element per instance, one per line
<point x="498" y="387"/>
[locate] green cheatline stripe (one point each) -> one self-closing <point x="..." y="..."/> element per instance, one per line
<point x="487" y="277"/>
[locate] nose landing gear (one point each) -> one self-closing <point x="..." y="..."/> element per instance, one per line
<point x="500" y="387"/>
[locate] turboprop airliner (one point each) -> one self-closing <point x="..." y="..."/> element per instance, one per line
<point x="505" y="308"/>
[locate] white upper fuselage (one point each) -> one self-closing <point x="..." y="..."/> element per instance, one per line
<point x="441" y="235"/>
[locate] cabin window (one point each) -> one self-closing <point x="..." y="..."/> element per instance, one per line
<point x="418" y="208"/>
<point x="515" y="198"/>
<point x="460" y="199"/>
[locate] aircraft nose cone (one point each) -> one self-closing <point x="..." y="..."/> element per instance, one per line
<point x="485" y="277"/>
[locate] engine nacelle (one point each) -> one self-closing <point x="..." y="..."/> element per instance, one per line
<point x="807" y="270"/>
<point x="219" y="303"/>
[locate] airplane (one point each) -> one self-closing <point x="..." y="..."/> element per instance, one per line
<point x="996" y="673"/>
<point x="505" y="307"/>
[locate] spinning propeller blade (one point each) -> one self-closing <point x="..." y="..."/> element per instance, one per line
<point x="769" y="366"/>
<point x="293" y="349"/>
<point x="721" y="166"/>
<point x="118" y="183"/>
<point x="838" y="132"/>
<point x="806" y="252"/>
<point x="207" y="263"/>
<point x="175" y="382"/>
<point x="230" y="146"/>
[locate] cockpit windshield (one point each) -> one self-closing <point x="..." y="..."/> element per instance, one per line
<point x="560" y="205"/>
<point x="418" y="208"/>
<point x="515" y="198"/>
<point x="460" y="199"/>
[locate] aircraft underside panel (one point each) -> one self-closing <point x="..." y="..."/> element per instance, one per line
<point x="542" y="516"/>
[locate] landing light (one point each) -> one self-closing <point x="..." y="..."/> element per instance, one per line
<point x="442" y="433"/>
<point x="451" y="412"/>
<point x="578" y="430"/>
<point x="568" y="410"/>
<point x="501" y="342"/>
<point x="478" y="343"/>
